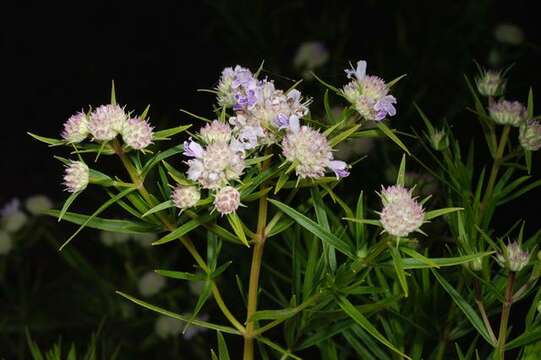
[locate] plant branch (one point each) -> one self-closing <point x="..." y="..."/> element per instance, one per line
<point x="506" y="309"/>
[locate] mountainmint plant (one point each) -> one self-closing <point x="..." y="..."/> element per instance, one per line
<point x="326" y="275"/>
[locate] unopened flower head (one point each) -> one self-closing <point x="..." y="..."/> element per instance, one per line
<point x="216" y="131"/>
<point x="508" y="112"/>
<point x="401" y="214"/>
<point x="227" y="200"/>
<point x="37" y="204"/>
<point x="530" y="135"/>
<point x="439" y="140"/>
<point x="76" y="176"/>
<point x="311" y="153"/>
<point x="106" y="122"/>
<point x="490" y="83"/>
<point x="137" y="133"/>
<point x="394" y="193"/>
<point x="215" y="165"/>
<point x="513" y="257"/>
<point x="150" y="284"/>
<point x="76" y="128"/>
<point x="185" y="196"/>
<point x="369" y="94"/>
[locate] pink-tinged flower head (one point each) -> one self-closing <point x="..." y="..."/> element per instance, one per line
<point x="309" y="150"/>
<point x="76" y="128"/>
<point x="369" y="94"/>
<point x="530" y="135"/>
<point x="236" y="87"/>
<point x="106" y="122"/>
<point x="513" y="257"/>
<point x="137" y="133"/>
<point x="76" y="176"/>
<point x="185" y="197"/>
<point x="394" y="193"/>
<point x="216" y="131"/>
<point x="508" y="112"/>
<point x="490" y="83"/>
<point x="401" y="214"/>
<point x="216" y="165"/>
<point x="311" y="153"/>
<point x="227" y="200"/>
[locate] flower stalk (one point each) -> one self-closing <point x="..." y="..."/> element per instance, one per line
<point x="504" y="319"/>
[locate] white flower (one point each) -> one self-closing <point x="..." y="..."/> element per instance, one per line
<point x="37" y="204"/>
<point x="513" y="257"/>
<point x="106" y="122"/>
<point x="6" y="242"/>
<point x="227" y="200"/>
<point x="137" y="133"/>
<point x="216" y="131"/>
<point x="76" y="128"/>
<point x="401" y="214"/>
<point x="150" y="284"/>
<point x="76" y="176"/>
<point x="310" y="55"/>
<point x="166" y="326"/>
<point x="185" y="196"/>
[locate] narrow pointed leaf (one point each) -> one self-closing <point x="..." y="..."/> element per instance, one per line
<point x="391" y="135"/>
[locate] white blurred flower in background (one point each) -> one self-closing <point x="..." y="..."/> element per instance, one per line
<point x="310" y="55"/>
<point x="150" y="284"/>
<point x="37" y="204"/>
<point x="111" y="238"/>
<point x="510" y="34"/>
<point x="166" y="326"/>
<point x="12" y="217"/>
<point x="6" y="242"/>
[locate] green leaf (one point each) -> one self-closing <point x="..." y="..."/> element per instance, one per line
<point x="401" y="177"/>
<point x="181" y="275"/>
<point x="343" y="135"/>
<point x="364" y="221"/>
<point x="257" y="160"/>
<point x="159" y="157"/>
<point x="315" y="228"/>
<point x="184" y="229"/>
<point x="237" y="227"/>
<point x="67" y="204"/>
<point x="359" y="318"/>
<point x="281" y="182"/>
<point x="439" y="212"/>
<point x="165" y="134"/>
<point x="162" y="206"/>
<point x="46" y="140"/>
<point x="391" y="83"/>
<point x="391" y="135"/>
<point x="277" y="347"/>
<point x="527" y="337"/>
<point x="412" y="263"/>
<point x="113" y="225"/>
<point x="414" y="254"/>
<point x="400" y="273"/>
<point x="530" y="104"/>
<point x="528" y="159"/>
<point x="325" y="84"/>
<point x="466" y="308"/>
<point x="223" y="352"/>
<point x="97" y="212"/>
<point x="197" y="322"/>
<point x="113" y="93"/>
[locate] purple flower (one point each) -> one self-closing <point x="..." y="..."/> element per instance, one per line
<point x="193" y="149"/>
<point x="384" y="107"/>
<point x="281" y="121"/>
<point x="359" y="73"/>
<point x="340" y="168"/>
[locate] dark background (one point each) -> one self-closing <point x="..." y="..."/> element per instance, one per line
<point x="59" y="58"/>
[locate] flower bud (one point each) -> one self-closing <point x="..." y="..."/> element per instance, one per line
<point x="215" y="131"/>
<point x="76" y="128"/>
<point x="150" y="284"/>
<point x="439" y="140"/>
<point x="185" y="196"/>
<point x="513" y="257"/>
<point x="401" y="213"/>
<point x="227" y="200"/>
<point x="137" y="133"/>
<point x="530" y="135"/>
<point x="490" y="83"/>
<point x="76" y="176"/>
<point x="507" y="112"/>
<point x="106" y="122"/>
<point x="476" y="264"/>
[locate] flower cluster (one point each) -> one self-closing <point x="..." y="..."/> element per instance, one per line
<point x="530" y="135"/>
<point x="513" y="257"/>
<point x="76" y="176"/>
<point x="401" y="214"/>
<point x="104" y="124"/>
<point x="368" y="94"/>
<point x="506" y="112"/>
<point x="490" y="83"/>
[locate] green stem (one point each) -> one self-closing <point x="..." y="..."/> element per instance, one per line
<point x="495" y="167"/>
<point x="504" y="319"/>
<point x="255" y="270"/>
<point x="168" y="224"/>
